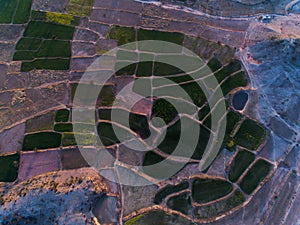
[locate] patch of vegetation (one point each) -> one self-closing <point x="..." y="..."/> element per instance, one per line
<point x="180" y="79"/>
<point x="228" y="70"/>
<point x="139" y="124"/>
<point x="14" y="11"/>
<point x="48" y="64"/>
<point x="250" y="135"/>
<point x="176" y="38"/>
<point x="68" y="139"/>
<point x="158" y="217"/>
<point x="181" y="203"/>
<point x="240" y="163"/>
<point x="42" y="140"/>
<point x="62" y="115"/>
<point x="108" y="136"/>
<point x="255" y="176"/>
<point x="80" y="7"/>
<point x="195" y="93"/>
<point x="59" y="18"/>
<point x="220" y="207"/>
<point x="9" y="167"/>
<point x="162" y="69"/>
<point x="7" y="10"/>
<point x="206" y="190"/>
<point x="54" y="48"/>
<point x="40" y="29"/>
<point x="23" y="12"/>
<point x="164" y="109"/>
<point x="214" y="64"/>
<point x="152" y="158"/>
<point x="27" y="44"/>
<point x="24" y="55"/>
<point x="123" y="69"/>
<point x="232" y="120"/>
<point x="123" y="35"/>
<point x="235" y="81"/>
<point x="63" y="127"/>
<point x="144" y="69"/>
<point x="106" y="96"/>
<point x="170" y="189"/>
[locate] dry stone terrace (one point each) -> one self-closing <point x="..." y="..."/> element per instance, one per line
<point x="254" y="178"/>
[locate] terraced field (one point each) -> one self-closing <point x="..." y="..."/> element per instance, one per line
<point x="41" y="70"/>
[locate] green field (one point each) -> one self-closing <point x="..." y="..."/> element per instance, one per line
<point x="68" y="139"/>
<point x="42" y="140"/>
<point x="181" y="203"/>
<point x="250" y="135"/>
<point x="62" y="115"/>
<point x="80" y="7"/>
<point x="46" y="30"/>
<point x="170" y="189"/>
<point x="49" y="64"/>
<point x="240" y="163"/>
<point x="158" y="218"/>
<point x="123" y="35"/>
<point x="15" y="11"/>
<point x="164" y="109"/>
<point x="220" y="207"/>
<point x="233" y="82"/>
<point x="206" y="190"/>
<point x="255" y="176"/>
<point x="9" y="167"/>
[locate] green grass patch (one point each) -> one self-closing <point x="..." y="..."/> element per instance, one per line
<point x="240" y="163"/>
<point x="106" y="95"/>
<point x="127" y="55"/>
<point x="181" y="203"/>
<point x="62" y="115"/>
<point x="80" y="7"/>
<point x="180" y="79"/>
<point x="42" y="140"/>
<point x="24" y="55"/>
<point x="40" y="29"/>
<point x="9" y="167"/>
<point x="144" y="69"/>
<point x="250" y="135"/>
<point x="27" y="44"/>
<point x="123" y="35"/>
<point x="49" y="64"/>
<point x="23" y="12"/>
<point x="123" y="69"/>
<point x="63" y="127"/>
<point x="195" y="93"/>
<point x="235" y="81"/>
<point x="214" y="64"/>
<point x="170" y="189"/>
<point x="54" y="48"/>
<point x="158" y="217"/>
<point x="163" y="69"/>
<point x="206" y="190"/>
<point x="176" y="38"/>
<point x="227" y="70"/>
<point x="255" y="176"/>
<point x="68" y="139"/>
<point x="165" y="110"/>
<point x="152" y="158"/>
<point x="107" y="134"/>
<point x="7" y="10"/>
<point x="220" y="207"/>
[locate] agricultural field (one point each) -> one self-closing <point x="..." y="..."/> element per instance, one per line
<point x="56" y="44"/>
<point x="46" y="42"/>
<point x="15" y="11"/>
